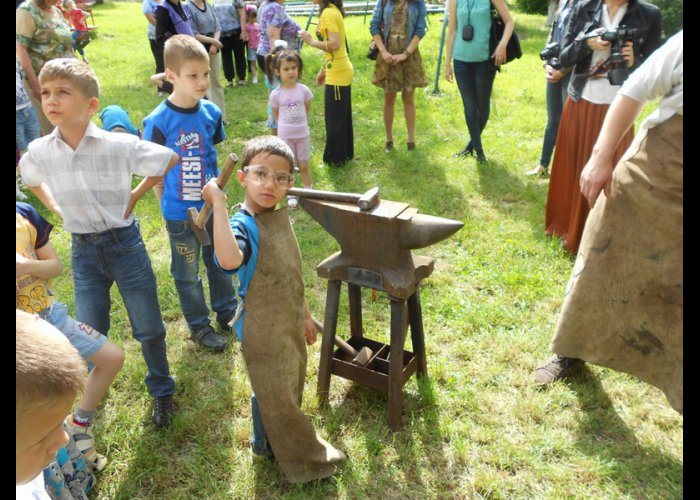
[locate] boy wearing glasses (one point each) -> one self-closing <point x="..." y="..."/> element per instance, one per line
<point x="273" y="320"/>
<point x="191" y="126"/>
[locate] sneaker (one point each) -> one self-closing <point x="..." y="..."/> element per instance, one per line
<point x="229" y="83"/>
<point x="255" y="79"/>
<point x="207" y="337"/>
<point x="292" y="202"/>
<point x="163" y="410"/>
<point x="85" y="442"/>
<point x="241" y="82"/>
<point x="556" y="369"/>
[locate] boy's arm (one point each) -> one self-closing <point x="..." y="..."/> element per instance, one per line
<point x="43" y="192"/>
<point x="226" y="247"/>
<point x="146" y="184"/>
<point x="48" y="266"/>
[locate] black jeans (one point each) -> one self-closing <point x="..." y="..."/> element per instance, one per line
<point x="233" y="48"/>
<point x="340" y="144"/>
<point x="475" y="82"/>
<point x="157" y="50"/>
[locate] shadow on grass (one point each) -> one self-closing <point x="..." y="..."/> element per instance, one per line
<point x="196" y="437"/>
<point x="640" y="471"/>
<point x="514" y="195"/>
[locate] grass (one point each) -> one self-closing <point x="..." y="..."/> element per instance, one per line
<point x="477" y="427"/>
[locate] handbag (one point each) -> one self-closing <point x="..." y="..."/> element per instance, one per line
<point x="513" y="50"/>
<point x="373" y="50"/>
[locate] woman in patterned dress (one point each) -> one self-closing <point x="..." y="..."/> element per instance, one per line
<point x="397" y="27"/>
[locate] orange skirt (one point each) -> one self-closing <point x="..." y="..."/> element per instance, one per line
<point x="567" y="209"/>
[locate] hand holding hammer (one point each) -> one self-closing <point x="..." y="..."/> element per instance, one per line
<point x="197" y="219"/>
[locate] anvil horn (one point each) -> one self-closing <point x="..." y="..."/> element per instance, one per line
<point x="423" y="230"/>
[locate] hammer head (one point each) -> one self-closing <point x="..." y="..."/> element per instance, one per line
<point x="363" y="356"/>
<point x="199" y="232"/>
<point x="369" y="199"/>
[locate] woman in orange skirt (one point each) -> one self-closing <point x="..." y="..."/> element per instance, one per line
<point x="594" y="84"/>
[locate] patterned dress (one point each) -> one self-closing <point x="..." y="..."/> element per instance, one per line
<point x="49" y="39"/>
<point x="408" y="74"/>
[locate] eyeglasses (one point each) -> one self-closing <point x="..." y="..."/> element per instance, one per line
<point x="261" y="174"/>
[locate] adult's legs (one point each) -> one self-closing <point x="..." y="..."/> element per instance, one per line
<point x="556" y="96"/>
<point x="409" y="111"/>
<point x="157" y="51"/>
<point x="239" y="55"/>
<point x="227" y="56"/>
<point x="484" y="76"/>
<point x="466" y="83"/>
<point x="216" y="91"/>
<point x="389" y="102"/>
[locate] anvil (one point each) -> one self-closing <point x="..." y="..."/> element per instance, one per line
<point x="375" y="245"/>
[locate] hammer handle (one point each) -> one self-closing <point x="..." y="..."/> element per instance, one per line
<point x="333" y="196"/>
<point x="221" y="181"/>
<point x="338" y="341"/>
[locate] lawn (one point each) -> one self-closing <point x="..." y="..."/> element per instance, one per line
<point x="477" y="426"/>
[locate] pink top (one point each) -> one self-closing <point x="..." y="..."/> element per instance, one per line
<point x="77" y="18"/>
<point x="291" y="105"/>
<point x="253" y="35"/>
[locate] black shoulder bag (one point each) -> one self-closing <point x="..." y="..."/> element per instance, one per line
<point x="513" y="50"/>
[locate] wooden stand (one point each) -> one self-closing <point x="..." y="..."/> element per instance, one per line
<point x="390" y="366"/>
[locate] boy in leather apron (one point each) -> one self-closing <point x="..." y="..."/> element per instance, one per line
<point x="273" y="320"/>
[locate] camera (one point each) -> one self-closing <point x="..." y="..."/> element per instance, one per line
<point x="618" y="38"/>
<point x="550" y="54"/>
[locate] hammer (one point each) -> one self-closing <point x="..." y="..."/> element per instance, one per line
<point x="365" y="201"/>
<point x="199" y="219"/>
<point x="359" y="358"/>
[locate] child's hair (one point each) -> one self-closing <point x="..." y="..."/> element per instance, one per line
<point x="273" y="62"/>
<point x="49" y="369"/>
<point x="252" y="15"/>
<point x="68" y="4"/>
<point x="77" y="72"/>
<point x="180" y="49"/>
<point x="270" y="144"/>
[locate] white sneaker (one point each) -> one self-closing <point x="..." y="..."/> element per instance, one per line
<point x="292" y="202"/>
<point x="255" y="79"/>
<point x="85" y="442"/>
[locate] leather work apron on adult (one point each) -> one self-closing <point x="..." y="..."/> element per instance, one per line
<point x="623" y="306"/>
<point x="274" y="349"/>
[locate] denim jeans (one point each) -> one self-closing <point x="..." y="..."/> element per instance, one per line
<point x="26" y="126"/>
<point x="119" y="255"/>
<point x="475" y="82"/>
<point x="184" y="266"/>
<point x="556" y="96"/>
<point x="259" y="442"/>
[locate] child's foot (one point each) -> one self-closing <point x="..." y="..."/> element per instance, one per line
<point x="255" y="79"/>
<point x="85" y="441"/>
<point x="241" y="82"/>
<point x="292" y="202"/>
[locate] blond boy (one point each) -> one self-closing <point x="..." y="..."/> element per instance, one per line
<point x="88" y="172"/>
<point x="49" y="375"/>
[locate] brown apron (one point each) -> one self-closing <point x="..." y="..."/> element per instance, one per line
<point x="623" y="306"/>
<point x="274" y="350"/>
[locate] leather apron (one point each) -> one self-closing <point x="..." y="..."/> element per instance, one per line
<point x="274" y="349"/>
<point x="623" y="306"/>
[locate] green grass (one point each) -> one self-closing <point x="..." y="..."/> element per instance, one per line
<point x="477" y="427"/>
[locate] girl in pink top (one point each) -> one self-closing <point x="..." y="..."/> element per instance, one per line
<point x="80" y="34"/>
<point x="253" y="39"/>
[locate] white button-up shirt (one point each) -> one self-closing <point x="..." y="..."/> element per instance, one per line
<point x="92" y="185"/>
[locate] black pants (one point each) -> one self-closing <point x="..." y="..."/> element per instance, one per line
<point x="233" y="48"/>
<point x="340" y="145"/>
<point x="261" y="63"/>
<point x="157" y="50"/>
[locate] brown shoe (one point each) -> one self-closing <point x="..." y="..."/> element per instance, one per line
<point x="556" y="369"/>
<point x="411" y="145"/>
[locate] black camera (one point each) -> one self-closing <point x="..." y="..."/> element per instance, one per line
<point x="618" y="38"/>
<point x="550" y="54"/>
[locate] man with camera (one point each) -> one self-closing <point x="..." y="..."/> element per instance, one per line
<point x="624" y="302"/>
<point x="603" y="41"/>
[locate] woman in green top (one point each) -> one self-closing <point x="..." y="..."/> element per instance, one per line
<point x="42" y="34"/>
<point x="469" y="29"/>
<point x="336" y="73"/>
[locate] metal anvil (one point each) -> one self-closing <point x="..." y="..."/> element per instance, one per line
<point x="375" y="245"/>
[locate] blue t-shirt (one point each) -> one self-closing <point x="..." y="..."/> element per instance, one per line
<point x="115" y="116"/>
<point x="191" y="134"/>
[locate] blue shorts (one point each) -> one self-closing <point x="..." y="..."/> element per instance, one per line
<point x="84" y="338"/>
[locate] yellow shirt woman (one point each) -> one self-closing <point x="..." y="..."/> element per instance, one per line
<point x="337" y="63"/>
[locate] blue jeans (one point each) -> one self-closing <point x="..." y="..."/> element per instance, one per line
<point x="184" y="266"/>
<point x="118" y="255"/>
<point x="475" y="82"/>
<point x="259" y="443"/>
<point x="556" y="96"/>
<point x="26" y="126"/>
